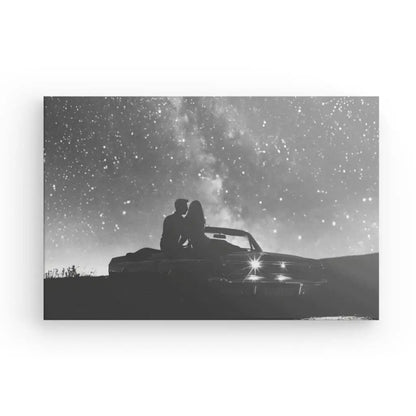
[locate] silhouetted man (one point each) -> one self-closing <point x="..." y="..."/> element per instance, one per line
<point x="173" y="235"/>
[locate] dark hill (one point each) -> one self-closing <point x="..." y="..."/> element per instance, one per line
<point x="353" y="285"/>
<point x="352" y="290"/>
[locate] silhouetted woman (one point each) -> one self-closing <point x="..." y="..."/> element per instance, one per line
<point x="195" y="226"/>
<point x="203" y="246"/>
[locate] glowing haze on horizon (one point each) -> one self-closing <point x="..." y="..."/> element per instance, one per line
<point x="299" y="173"/>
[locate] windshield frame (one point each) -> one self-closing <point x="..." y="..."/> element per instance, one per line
<point x="254" y="246"/>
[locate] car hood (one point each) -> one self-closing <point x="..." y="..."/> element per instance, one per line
<point x="284" y="268"/>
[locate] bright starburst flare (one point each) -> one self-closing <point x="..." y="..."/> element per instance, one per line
<point x="255" y="264"/>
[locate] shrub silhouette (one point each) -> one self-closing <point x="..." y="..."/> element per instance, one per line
<point x="69" y="272"/>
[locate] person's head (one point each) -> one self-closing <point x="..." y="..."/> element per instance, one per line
<point x="195" y="213"/>
<point x="181" y="206"/>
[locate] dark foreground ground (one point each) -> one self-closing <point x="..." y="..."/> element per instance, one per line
<point x="352" y="290"/>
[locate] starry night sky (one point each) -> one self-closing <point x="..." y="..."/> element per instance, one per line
<point x="299" y="173"/>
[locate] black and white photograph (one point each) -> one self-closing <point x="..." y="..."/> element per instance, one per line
<point x="209" y="207"/>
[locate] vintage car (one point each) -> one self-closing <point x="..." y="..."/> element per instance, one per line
<point x="247" y="271"/>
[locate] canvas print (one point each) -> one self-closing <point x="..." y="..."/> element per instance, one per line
<point x="211" y="207"/>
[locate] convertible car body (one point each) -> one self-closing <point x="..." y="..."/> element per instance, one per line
<point x="247" y="271"/>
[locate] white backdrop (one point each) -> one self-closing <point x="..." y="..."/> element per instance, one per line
<point x="206" y="48"/>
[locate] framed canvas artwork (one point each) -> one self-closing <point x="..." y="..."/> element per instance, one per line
<point x="211" y="207"/>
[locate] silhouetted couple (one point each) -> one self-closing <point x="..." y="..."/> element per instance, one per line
<point x="177" y="230"/>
